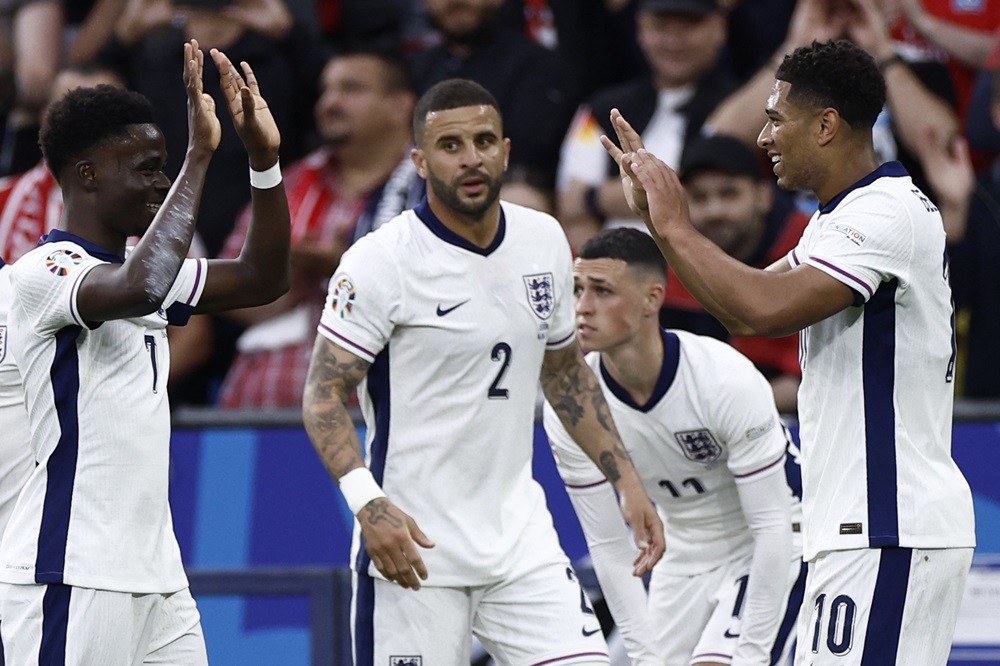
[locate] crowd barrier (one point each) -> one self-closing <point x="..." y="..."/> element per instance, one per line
<point x="265" y="536"/>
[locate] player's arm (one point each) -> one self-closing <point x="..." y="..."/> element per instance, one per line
<point x="140" y="285"/>
<point x="261" y="273"/>
<point x="610" y="552"/>
<point x="765" y="503"/>
<point x="747" y="300"/>
<point x="390" y="535"/>
<point x="572" y="390"/>
<point x="608" y="543"/>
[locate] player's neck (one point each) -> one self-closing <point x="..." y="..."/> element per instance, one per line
<point x="845" y="169"/>
<point x="636" y="365"/>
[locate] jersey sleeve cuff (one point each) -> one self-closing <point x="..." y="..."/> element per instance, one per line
<point x="343" y="341"/>
<point x="862" y="290"/>
<point x="561" y="342"/>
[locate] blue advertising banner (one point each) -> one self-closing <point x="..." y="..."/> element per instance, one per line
<point x="259" y="498"/>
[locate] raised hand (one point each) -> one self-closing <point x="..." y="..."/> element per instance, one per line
<point x="204" y="130"/>
<point x="630" y="142"/>
<point x="251" y="116"/>
<point x="391" y="538"/>
<point x="664" y="192"/>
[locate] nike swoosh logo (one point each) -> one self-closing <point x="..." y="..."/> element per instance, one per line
<point x="589" y="633"/>
<point x="729" y="634"/>
<point x="443" y="311"/>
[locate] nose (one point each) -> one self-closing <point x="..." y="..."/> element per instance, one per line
<point x="583" y="303"/>
<point x="471" y="156"/>
<point x="162" y="181"/>
<point x="764" y="138"/>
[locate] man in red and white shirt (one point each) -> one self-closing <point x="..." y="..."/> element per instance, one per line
<point x="360" y="177"/>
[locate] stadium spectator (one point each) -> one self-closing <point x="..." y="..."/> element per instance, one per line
<point x="144" y="46"/>
<point x="868" y="287"/>
<point x="89" y="324"/>
<point x="451" y="314"/>
<point x="682" y="41"/>
<point x="361" y="177"/>
<point x="919" y="103"/>
<point x="526" y="78"/>
<point x="732" y="205"/>
<point x="975" y="251"/>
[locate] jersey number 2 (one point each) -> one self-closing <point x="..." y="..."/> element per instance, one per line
<point x="501" y="353"/>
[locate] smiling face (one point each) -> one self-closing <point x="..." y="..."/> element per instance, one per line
<point x="127" y="174"/>
<point x="789" y="137"/>
<point x="463" y="156"/>
<point x="613" y="301"/>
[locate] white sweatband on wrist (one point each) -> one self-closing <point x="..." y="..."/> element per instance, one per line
<point x="359" y="487"/>
<point x="265" y="180"/>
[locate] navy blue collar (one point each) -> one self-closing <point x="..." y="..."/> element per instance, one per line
<point x="671" y="359"/>
<point x="2" y="262"/>
<point x="427" y="216"/>
<point x="889" y="169"/>
<point x="57" y="235"/>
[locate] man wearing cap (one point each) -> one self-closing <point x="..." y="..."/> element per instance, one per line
<point x="681" y="40"/>
<point x="735" y="207"/>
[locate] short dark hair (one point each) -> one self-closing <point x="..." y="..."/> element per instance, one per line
<point x="634" y="247"/>
<point x="395" y="75"/>
<point x="836" y="74"/>
<point x="87" y="116"/>
<point x="450" y="94"/>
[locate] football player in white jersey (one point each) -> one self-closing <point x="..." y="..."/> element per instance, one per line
<point x="703" y="430"/>
<point x="90" y="570"/>
<point x="446" y="318"/>
<point x="16" y="461"/>
<point x="888" y="519"/>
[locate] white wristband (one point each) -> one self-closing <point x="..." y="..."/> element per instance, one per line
<point x="265" y="180"/>
<point x="359" y="487"/>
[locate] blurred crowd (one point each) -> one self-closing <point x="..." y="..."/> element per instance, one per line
<point x="342" y="76"/>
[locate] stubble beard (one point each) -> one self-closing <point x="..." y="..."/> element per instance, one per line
<point x="449" y="196"/>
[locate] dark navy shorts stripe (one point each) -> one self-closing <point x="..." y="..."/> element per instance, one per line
<point x="364" y="621"/>
<point x="55" y="620"/>
<point x="885" y="619"/>
<point x="787" y="628"/>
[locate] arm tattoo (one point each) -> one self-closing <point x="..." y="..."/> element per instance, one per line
<point x="331" y="380"/>
<point x="570" y="385"/>
<point x="610" y="466"/>
<point x="377" y="511"/>
<point x="567" y="387"/>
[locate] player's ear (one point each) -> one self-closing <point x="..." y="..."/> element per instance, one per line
<point x="417" y="156"/>
<point x="86" y="174"/>
<point x="654" y="297"/>
<point x="829" y="124"/>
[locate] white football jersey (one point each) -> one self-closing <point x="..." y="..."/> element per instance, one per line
<point x="94" y="512"/>
<point x="875" y="402"/>
<point x="15" y="454"/>
<point x="710" y="423"/>
<point x="456" y="336"/>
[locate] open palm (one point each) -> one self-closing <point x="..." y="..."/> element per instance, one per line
<point x="251" y="116"/>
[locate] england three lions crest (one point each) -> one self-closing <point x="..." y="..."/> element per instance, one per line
<point x="699" y="445"/>
<point x="541" y="294"/>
